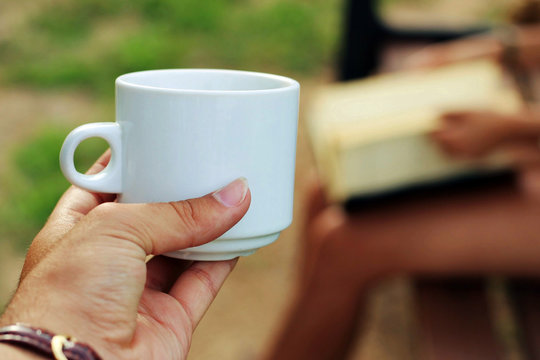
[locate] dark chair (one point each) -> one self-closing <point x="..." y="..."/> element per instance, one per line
<point x="365" y="36"/>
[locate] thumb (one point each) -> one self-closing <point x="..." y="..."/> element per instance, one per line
<point x="163" y="227"/>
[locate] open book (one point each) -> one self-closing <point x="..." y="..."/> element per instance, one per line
<point x="369" y="136"/>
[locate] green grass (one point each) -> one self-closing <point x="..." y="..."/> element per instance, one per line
<point x="57" y="48"/>
<point x="384" y="5"/>
<point x="35" y="182"/>
<point x="283" y="36"/>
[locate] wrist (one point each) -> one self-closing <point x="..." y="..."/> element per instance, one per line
<point x="56" y="321"/>
<point x="524" y="125"/>
<point x="44" y="343"/>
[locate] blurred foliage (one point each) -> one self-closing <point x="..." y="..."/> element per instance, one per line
<point x="36" y="182"/>
<point x="86" y="44"/>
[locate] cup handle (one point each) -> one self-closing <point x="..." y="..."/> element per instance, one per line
<point x="109" y="180"/>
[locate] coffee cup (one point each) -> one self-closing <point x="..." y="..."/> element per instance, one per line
<point x="183" y="133"/>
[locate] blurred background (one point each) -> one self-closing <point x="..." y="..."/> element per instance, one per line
<point x="58" y="62"/>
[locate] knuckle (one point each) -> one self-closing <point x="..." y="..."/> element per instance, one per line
<point x="188" y="214"/>
<point x="206" y="281"/>
<point x="115" y="220"/>
<point x="105" y="210"/>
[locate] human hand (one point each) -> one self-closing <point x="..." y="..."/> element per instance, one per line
<point x="471" y="134"/>
<point x="477" y="47"/>
<point x="528" y="43"/>
<point x="85" y="273"/>
<point x="483" y="46"/>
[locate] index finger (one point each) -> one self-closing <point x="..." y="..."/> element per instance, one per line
<point x="72" y="206"/>
<point x="77" y="202"/>
<point x="198" y="286"/>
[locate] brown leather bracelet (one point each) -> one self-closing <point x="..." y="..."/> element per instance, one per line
<point x="43" y="342"/>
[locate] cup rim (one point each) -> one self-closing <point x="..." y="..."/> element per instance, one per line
<point x="288" y="83"/>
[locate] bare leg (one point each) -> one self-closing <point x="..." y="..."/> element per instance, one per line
<point x="475" y="233"/>
<point x="495" y="231"/>
<point x="525" y="293"/>
<point x="316" y="203"/>
<point x="322" y="320"/>
<point x="454" y="321"/>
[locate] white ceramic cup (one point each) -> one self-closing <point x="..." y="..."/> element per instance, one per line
<point x="181" y="134"/>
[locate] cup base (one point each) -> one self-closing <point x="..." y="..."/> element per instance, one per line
<point x="224" y="249"/>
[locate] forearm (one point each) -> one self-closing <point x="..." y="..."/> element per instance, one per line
<point x="492" y="45"/>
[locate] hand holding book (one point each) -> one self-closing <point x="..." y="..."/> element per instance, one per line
<point x="472" y="134"/>
<point x="372" y="136"/>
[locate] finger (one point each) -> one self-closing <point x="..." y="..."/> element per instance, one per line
<point x="198" y="286"/>
<point x="77" y="202"/>
<point x="158" y="228"/>
<point x="455" y="116"/>
<point x="450" y="149"/>
<point x="425" y="58"/>
<point x="162" y="272"/>
<point x="437" y="135"/>
<point x="72" y="206"/>
<point x="444" y="139"/>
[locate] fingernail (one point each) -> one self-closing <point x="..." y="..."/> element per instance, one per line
<point x="232" y="194"/>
